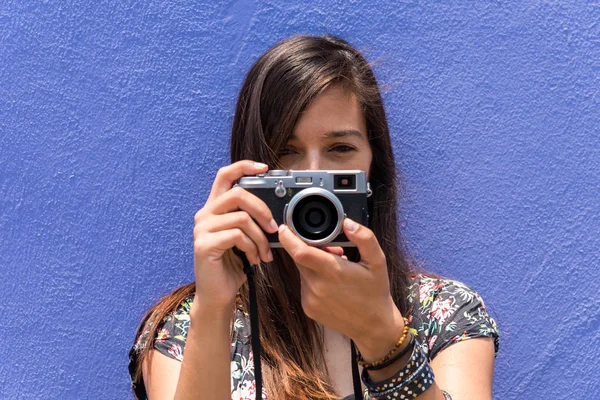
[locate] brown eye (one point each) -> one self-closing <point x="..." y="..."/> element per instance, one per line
<point x="286" y="152"/>
<point x="342" y="148"/>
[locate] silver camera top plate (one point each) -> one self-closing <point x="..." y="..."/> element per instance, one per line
<point x="308" y="178"/>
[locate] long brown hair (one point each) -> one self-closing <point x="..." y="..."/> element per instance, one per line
<point x="278" y="87"/>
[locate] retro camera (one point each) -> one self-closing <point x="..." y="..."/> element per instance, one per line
<point x="313" y="203"/>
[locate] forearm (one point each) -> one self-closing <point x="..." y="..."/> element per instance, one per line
<point x="205" y="370"/>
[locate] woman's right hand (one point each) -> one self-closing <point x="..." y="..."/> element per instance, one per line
<point x="230" y="217"/>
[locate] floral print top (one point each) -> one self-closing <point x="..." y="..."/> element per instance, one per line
<point x="444" y="312"/>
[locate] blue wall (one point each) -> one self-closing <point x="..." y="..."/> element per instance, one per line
<point x="114" y="117"/>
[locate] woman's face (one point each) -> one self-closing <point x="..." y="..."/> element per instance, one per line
<point x="331" y="133"/>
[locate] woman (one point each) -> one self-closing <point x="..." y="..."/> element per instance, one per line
<point x="311" y="103"/>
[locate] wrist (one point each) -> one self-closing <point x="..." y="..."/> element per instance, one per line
<point x="382" y="337"/>
<point x="214" y="313"/>
<point x="410" y="377"/>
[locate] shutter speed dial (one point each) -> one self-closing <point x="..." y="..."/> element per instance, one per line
<point x="278" y="172"/>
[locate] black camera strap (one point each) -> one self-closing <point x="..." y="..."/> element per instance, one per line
<point x="254" y="327"/>
<point x="255" y="335"/>
<point x="355" y="374"/>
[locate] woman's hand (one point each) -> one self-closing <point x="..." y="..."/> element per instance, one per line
<point x="351" y="298"/>
<point x="231" y="217"/>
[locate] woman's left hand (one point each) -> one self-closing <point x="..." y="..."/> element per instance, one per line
<point x="351" y="298"/>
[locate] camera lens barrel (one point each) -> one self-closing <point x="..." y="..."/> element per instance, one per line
<point x="315" y="215"/>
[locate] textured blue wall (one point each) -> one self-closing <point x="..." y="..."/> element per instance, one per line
<point x="114" y="117"/>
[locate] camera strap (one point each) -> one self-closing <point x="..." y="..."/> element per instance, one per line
<point x="254" y="326"/>
<point x="355" y="374"/>
<point x="255" y="336"/>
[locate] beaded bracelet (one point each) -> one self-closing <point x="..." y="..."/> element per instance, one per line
<point x="360" y="361"/>
<point x="396" y="357"/>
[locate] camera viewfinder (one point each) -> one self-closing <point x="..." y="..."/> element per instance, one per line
<point x="344" y="182"/>
<point x="304" y="180"/>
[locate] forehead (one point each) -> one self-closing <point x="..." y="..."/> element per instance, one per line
<point x="334" y="110"/>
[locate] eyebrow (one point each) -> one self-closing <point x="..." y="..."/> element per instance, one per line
<point x="338" y="134"/>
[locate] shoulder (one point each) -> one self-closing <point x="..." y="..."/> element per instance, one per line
<point x="172" y="331"/>
<point x="168" y="338"/>
<point x="446" y="311"/>
<point x="427" y="290"/>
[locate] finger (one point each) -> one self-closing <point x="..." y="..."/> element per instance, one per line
<point x="226" y="176"/>
<point x="243" y="221"/>
<point x="303" y="254"/>
<point x="370" y="251"/>
<point x="338" y="251"/>
<point x="214" y="245"/>
<point x="240" y="199"/>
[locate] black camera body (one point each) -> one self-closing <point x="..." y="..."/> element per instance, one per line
<point x="313" y="203"/>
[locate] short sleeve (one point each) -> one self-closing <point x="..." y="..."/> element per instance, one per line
<point x="169" y="340"/>
<point x="172" y="332"/>
<point x="458" y="313"/>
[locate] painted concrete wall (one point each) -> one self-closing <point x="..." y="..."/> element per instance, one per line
<point x="114" y="117"/>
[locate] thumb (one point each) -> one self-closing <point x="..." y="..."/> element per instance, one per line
<point x="365" y="241"/>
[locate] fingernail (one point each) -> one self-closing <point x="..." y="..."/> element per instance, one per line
<point x="259" y="165"/>
<point x="281" y="228"/>
<point x="270" y="256"/>
<point x="273" y="225"/>
<point x="350" y="225"/>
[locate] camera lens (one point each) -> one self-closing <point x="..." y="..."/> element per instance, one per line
<point x="315" y="217"/>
